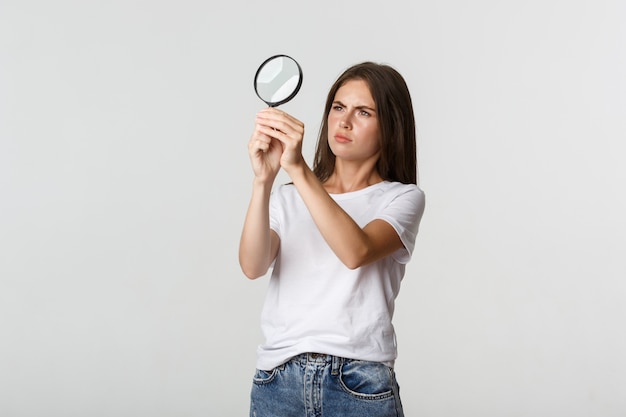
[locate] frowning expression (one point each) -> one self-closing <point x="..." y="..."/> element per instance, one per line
<point x="353" y="132"/>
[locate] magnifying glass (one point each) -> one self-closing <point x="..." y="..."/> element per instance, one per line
<point x="278" y="80"/>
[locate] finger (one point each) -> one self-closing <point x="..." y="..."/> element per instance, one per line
<point x="260" y="143"/>
<point x="283" y="121"/>
<point x="269" y="115"/>
<point x="274" y="133"/>
<point x="274" y="122"/>
<point x="276" y="129"/>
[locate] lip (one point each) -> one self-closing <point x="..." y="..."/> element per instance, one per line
<point x="342" y="139"/>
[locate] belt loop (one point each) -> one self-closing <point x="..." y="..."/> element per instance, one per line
<point x="336" y="364"/>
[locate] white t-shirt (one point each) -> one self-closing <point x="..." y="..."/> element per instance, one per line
<point x="314" y="303"/>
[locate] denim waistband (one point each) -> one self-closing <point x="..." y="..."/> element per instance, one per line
<point x="314" y="358"/>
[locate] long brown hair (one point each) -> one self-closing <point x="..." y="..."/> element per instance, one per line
<point x="398" y="156"/>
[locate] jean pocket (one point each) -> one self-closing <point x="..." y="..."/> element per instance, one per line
<point x="264" y="377"/>
<point x="367" y="380"/>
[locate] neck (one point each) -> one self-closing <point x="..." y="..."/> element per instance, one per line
<point x="351" y="177"/>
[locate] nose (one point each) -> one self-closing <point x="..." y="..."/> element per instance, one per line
<point x="344" y="122"/>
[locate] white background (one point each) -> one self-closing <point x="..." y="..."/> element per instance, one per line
<point x="124" y="179"/>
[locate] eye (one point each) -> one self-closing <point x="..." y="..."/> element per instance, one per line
<point x="364" y="113"/>
<point x="337" y="107"/>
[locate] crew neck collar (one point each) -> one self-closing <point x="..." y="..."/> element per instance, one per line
<point x="351" y="194"/>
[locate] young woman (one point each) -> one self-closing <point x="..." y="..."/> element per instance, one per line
<point x="338" y="237"/>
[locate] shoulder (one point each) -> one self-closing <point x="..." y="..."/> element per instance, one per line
<point x="404" y="201"/>
<point x="408" y="191"/>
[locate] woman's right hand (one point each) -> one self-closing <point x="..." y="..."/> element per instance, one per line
<point x="265" y="153"/>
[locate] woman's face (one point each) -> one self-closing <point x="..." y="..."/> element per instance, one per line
<point x="353" y="132"/>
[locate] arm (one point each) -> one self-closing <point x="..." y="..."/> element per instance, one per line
<point x="353" y="245"/>
<point x="259" y="245"/>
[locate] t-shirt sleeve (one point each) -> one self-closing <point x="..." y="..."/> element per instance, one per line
<point x="404" y="213"/>
<point x="275" y="211"/>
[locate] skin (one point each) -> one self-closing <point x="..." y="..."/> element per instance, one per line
<point x="276" y="143"/>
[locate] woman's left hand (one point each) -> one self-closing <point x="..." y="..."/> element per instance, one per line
<point x="288" y="130"/>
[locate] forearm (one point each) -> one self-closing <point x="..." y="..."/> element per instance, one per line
<point x="345" y="237"/>
<point x="255" y="246"/>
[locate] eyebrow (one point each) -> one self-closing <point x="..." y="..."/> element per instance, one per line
<point x="357" y="107"/>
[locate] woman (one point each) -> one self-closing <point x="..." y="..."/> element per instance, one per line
<point x="338" y="237"/>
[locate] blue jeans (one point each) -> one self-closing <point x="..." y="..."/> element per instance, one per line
<point x="318" y="385"/>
